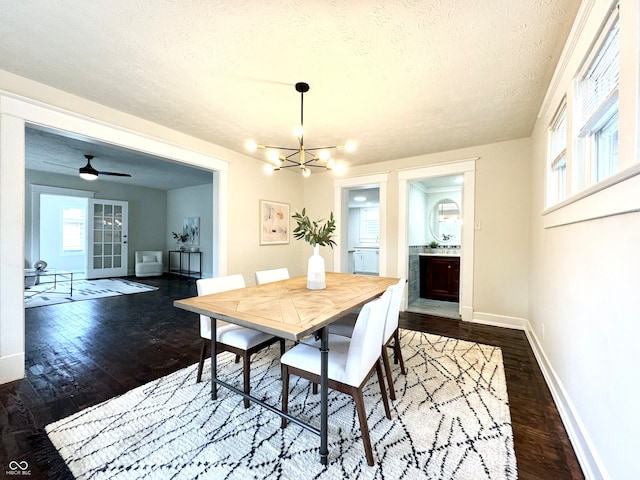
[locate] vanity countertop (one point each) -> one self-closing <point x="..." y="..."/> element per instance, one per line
<point x="440" y="254"/>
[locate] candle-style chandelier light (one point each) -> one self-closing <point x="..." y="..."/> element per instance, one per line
<point x="301" y="157"/>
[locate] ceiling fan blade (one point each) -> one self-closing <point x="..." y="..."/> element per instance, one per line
<point x="60" y="165"/>
<point x="114" y="174"/>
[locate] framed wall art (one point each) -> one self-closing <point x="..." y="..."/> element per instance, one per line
<point x="191" y="228"/>
<point x="274" y="222"/>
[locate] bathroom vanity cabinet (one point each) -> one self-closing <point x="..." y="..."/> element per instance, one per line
<point x="440" y="277"/>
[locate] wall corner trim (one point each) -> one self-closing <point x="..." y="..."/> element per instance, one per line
<point x="12" y="368"/>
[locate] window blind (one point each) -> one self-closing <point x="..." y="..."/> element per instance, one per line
<point x="599" y="84"/>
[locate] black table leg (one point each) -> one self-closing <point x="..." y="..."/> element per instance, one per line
<point x="324" y="394"/>
<point x="214" y="362"/>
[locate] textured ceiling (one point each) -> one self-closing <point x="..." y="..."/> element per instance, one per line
<point x="399" y="77"/>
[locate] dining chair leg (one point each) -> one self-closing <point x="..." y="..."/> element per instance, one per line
<point x="398" y="352"/>
<point x="237" y="360"/>
<point x="246" y="371"/>
<point x="364" y="427"/>
<point x="281" y="346"/>
<point x="285" y="393"/>
<point x="387" y="369"/>
<point x="203" y="353"/>
<point x="383" y="390"/>
<point x="314" y="389"/>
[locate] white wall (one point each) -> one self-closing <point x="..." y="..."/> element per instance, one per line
<point x="418" y="228"/>
<point x="501" y="273"/>
<point x="584" y="302"/>
<point x="250" y="185"/>
<point x="188" y="203"/>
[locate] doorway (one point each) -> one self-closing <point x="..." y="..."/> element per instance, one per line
<point x="16" y="115"/>
<point x="465" y="169"/>
<point x="361" y="225"/>
<point x="363" y="236"/>
<point x="434" y="245"/>
<point x="108" y="244"/>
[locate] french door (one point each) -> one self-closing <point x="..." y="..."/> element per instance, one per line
<point x="107" y="238"/>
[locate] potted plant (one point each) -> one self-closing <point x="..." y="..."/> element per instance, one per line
<point x="180" y="238"/>
<point x="433" y="246"/>
<point x="316" y="233"/>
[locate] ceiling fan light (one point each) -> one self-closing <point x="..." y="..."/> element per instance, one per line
<point x="324" y="155"/>
<point x="306" y="172"/>
<point x="88" y="175"/>
<point x="88" y="172"/>
<point x="251" y="146"/>
<point x="350" y="146"/>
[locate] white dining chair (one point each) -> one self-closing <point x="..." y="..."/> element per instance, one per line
<point x="242" y="341"/>
<point x="352" y="361"/>
<point x="344" y="326"/>
<point x="267" y="276"/>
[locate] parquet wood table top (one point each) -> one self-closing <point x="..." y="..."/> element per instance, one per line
<point x="287" y="308"/>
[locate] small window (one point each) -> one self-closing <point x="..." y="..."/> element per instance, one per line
<point x="559" y="175"/>
<point x="606" y="149"/>
<point x="369" y="225"/>
<point x="598" y="106"/>
<point x="557" y="181"/>
<point x="73" y="230"/>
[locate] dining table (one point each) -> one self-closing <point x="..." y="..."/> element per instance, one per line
<point x="289" y="310"/>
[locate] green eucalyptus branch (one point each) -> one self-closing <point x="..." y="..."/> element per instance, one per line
<point x="314" y="232"/>
<point x="181" y="237"/>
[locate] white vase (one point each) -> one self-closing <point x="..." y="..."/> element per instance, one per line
<point x="315" y="271"/>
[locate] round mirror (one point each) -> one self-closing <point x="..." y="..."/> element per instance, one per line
<point x="444" y="221"/>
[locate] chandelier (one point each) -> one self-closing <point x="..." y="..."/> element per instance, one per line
<point x="300" y="157"/>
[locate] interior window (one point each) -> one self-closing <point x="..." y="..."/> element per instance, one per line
<point x="73" y="230"/>
<point x="558" y="157"/>
<point x="598" y="105"/>
<point x="370" y="225"/>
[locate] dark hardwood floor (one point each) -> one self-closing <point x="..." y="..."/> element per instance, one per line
<point x="80" y="354"/>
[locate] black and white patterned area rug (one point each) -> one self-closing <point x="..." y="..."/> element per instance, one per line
<point x="50" y="294"/>
<point x="450" y="421"/>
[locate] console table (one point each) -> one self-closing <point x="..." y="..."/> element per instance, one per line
<point x="184" y="266"/>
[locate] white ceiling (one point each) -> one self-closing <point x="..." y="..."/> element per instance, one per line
<point x="371" y="197"/>
<point x="400" y="78"/>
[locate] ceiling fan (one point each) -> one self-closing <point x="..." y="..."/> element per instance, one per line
<point x="89" y="173"/>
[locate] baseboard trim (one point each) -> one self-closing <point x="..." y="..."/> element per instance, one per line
<point x="588" y="458"/>
<point x="500" y="320"/>
<point x="11" y="368"/>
